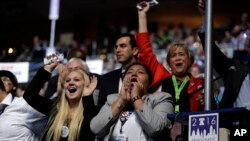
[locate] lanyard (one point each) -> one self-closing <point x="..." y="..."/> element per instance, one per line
<point x="178" y="90"/>
<point x="124" y="117"/>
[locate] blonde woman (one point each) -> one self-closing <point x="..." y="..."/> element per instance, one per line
<point x="70" y="114"/>
<point x="179" y="82"/>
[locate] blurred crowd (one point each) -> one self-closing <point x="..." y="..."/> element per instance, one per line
<point x="232" y="38"/>
<point x="147" y="74"/>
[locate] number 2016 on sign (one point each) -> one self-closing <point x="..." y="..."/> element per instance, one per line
<point x="203" y="126"/>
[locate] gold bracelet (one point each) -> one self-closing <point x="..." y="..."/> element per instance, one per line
<point x="135" y="98"/>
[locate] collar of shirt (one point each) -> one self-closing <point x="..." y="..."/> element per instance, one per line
<point x="123" y="71"/>
<point x="8" y="99"/>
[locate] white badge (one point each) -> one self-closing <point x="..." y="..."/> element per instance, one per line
<point x="65" y="131"/>
<point x="120" y="137"/>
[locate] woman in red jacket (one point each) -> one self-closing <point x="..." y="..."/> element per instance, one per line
<point x="179" y="82"/>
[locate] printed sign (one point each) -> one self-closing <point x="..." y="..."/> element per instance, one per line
<point x="20" y="70"/>
<point x="203" y="127"/>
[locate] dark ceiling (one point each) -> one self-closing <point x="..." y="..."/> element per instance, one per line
<point x="16" y="9"/>
<point x="21" y="19"/>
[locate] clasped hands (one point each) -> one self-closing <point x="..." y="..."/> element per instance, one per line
<point x="131" y="89"/>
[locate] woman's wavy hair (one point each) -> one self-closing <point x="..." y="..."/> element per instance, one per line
<point x="63" y="116"/>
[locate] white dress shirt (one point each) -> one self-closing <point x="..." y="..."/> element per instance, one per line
<point x="19" y="121"/>
<point x="120" y="81"/>
<point x="243" y="99"/>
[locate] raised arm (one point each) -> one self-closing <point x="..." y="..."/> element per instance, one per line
<point x="142" y="16"/>
<point x="31" y="95"/>
<point x="146" y="54"/>
<point x="220" y="67"/>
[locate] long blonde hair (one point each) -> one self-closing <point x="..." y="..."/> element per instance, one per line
<point x="74" y="120"/>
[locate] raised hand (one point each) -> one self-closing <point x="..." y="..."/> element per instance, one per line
<point x="122" y="99"/>
<point x="142" y="17"/>
<point x="201" y="6"/>
<point x="137" y="89"/>
<point x="144" y="9"/>
<point x="88" y="89"/>
<point x="124" y="95"/>
<point x="51" y="66"/>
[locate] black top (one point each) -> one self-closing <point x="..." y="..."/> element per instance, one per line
<point x="52" y="86"/>
<point x="45" y="105"/>
<point x="184" y="102"/>
<point x="108" y="84"/>
<point x="232" y="71"/>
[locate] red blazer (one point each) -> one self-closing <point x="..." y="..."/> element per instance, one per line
<point x="159" y="72"/>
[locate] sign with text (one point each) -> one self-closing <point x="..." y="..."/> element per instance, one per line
<point x="20" y="70"/>
<point x="203" y="127"/>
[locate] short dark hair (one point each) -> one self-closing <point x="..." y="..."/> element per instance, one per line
<point x="10" y="75"/>
<point x="12" y="78"/>
<point x="150" y="77"/>
<point x="2" y="85"/>
<point x="132" y="38"/>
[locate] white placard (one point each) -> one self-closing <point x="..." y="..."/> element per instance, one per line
<point x="54" y="9"/>
<point x="95" y="66"/>
<point x="20" y="70"/>
<point x="203" y="127"/>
